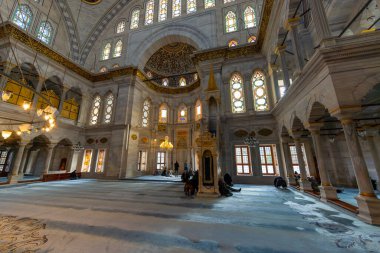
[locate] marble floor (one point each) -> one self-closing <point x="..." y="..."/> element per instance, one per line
<point x="142" y="216"/>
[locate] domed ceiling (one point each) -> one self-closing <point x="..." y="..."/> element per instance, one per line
<point x="170" y="64"/>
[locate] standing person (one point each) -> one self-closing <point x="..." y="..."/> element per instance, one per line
<point x="176" y="167"/>
<point x="185" y="167"/>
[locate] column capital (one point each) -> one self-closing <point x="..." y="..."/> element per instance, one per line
<point x="280" y="49"/>
<point x="314" y="127"/>
<point x="292" y="22"/>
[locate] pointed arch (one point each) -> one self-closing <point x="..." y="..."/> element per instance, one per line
<point x="198" y="110"/>
<point x="182" y="114"/>
<point x="118" y="49"/>
<point x="120" y="27"/>
<point x="45" y="32"/>
<point x="249" y="17"/>
<point x="106" y="51"/>
<point x="135" y="19"/>
<point x="164" y="113"/>
<point x="95" y="110"/>
<point x="23" y="16"/>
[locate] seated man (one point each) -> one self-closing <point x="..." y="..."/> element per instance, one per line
<point x="280" y="182"/>
<point x="228" y="179"/>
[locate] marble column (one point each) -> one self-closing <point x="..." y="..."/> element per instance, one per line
<point x="13" y="178"/>
<point x="326" y="189"/>
<point x="280" y="51"/>
<point x="320" y="21"/>
<point x="292" y="26"/>
<point x="49" y="156"/>
<point x="374" y="153"/>
<point x="63" y="97"/>
<point x="304" y="183"/>
<point x="23" y="161"/>
<point x="274" y="75"/>
<point x="288" y="162"/>
<point x="369" y="204"/>
<point x="38" y="89"/>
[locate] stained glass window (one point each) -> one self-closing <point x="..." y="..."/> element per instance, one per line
<point x="106" y="51"/>
<point x="86" y="165"/>
<point x="135" y="19"/>
<point x="259" y="91"/>
<point x="23" y="16"/>
<point x="95" y="111"/>
<point x="149" y="12"/>
<point x="228" y="1"/>
<point x="145" y="116"/>
<point x="249" y="17"/>
<point x="232" y="43"/>
<point x="120" y="27"/>
<point x="116" y="66"/>
<point x="182" y="82"/>
<point x="103" y="69"/>
<point x="108" y="108"/>
<point x="242" y="160"/>
<point x="237" y="94"/>
<point x="118" y="49"/>
<point x="45" y="32"/>
<point x="163" y="117"/>
<point x="198" y="110"/>
<point x="191" y="6"/>
<point x="100" y="161"/>
<point x="176" y="8"/>
<point x="252" y="39"/>
<point x="182" y="114"/>
<point x="209" y="3"/>
<point x="231" y="22"/>
<point x="165" y="82"/>
<point x="163" y="10"/>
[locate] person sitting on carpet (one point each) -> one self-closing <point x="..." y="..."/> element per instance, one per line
<point x="280" y="182"/>
<point x="228" y="179"/>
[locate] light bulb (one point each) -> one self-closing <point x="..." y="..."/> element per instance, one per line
<point x="19" y="133"/>
<point x="47" y="116"/>
<point x="47" y="129"/>
<point x="39" y="112"/>
<point x="26" y="105"/>
<point x="6" y="134"/>
<point x="6" y="95"/>
<point x="51" y="121"/>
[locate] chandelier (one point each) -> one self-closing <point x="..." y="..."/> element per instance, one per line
<point x="166" y="144"/>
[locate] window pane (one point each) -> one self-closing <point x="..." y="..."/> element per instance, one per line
<point x="176" y="8"/>
<point x="163" y="9"/>
<point x="237" y="94"/>
<point x="135" y="19"/>
<point x="231" y="25"/>
<point x="259" y="91"/>
<point x="149" y="12"/>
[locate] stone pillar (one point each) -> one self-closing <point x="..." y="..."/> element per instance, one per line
<point x="280" y="51"/>
<point x="326" y="189"/>
<point x="288" y="162"/>
<point x="63" y="97"/>
<point x="374" y="153"/>
<point x="304" y="183"/>
<point x="38" y="89"/>
<point x="23" y="161"/>
<point x="48" y="158"/>
<point x="369" y="204"/>
<point x="320" y="21"/>
<point x="292" y="25"/>
<point x="274" y="75"/>
<point x="13" y="178"/>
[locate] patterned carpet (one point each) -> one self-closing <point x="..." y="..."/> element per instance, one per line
<point x="21" y="234"/>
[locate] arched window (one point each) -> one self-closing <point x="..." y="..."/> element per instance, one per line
<point x="231" y="22"/>
<point x="108" y="108"/>
<point x="182" y="114"/>
<point x="195" y="76"/>
<point x="102" y="70"/>
<point x="116" y="66"/>
<point x="106" y="51"/>
<point x="145" y="113"/>
<point x="164" y="113"/>
<point x="135" y="19"/>
<point x="198" y="110"/>
<point x="163" y="10"/>
<point x="228" y="1"/>
<point x="249" y="17"/>
<point x="95" y="110"/>
<point x="165" y="82"/>
<point x="232" y="43"/>
<point x="252" y="39"/>
<point x="45" y="32"/>
<point x="176" y="8"/>
<point x="149" y="12"/>
<point x="118" y="49"/>
<point x="120" y="27"/>
<point x="23" y="16"/>
<point x="182" y="82"/>
<point x="237" y="94"/>
<point x="209" y="3"/>
<point x="259" y="91"/>
<point x="191" y="6"/>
